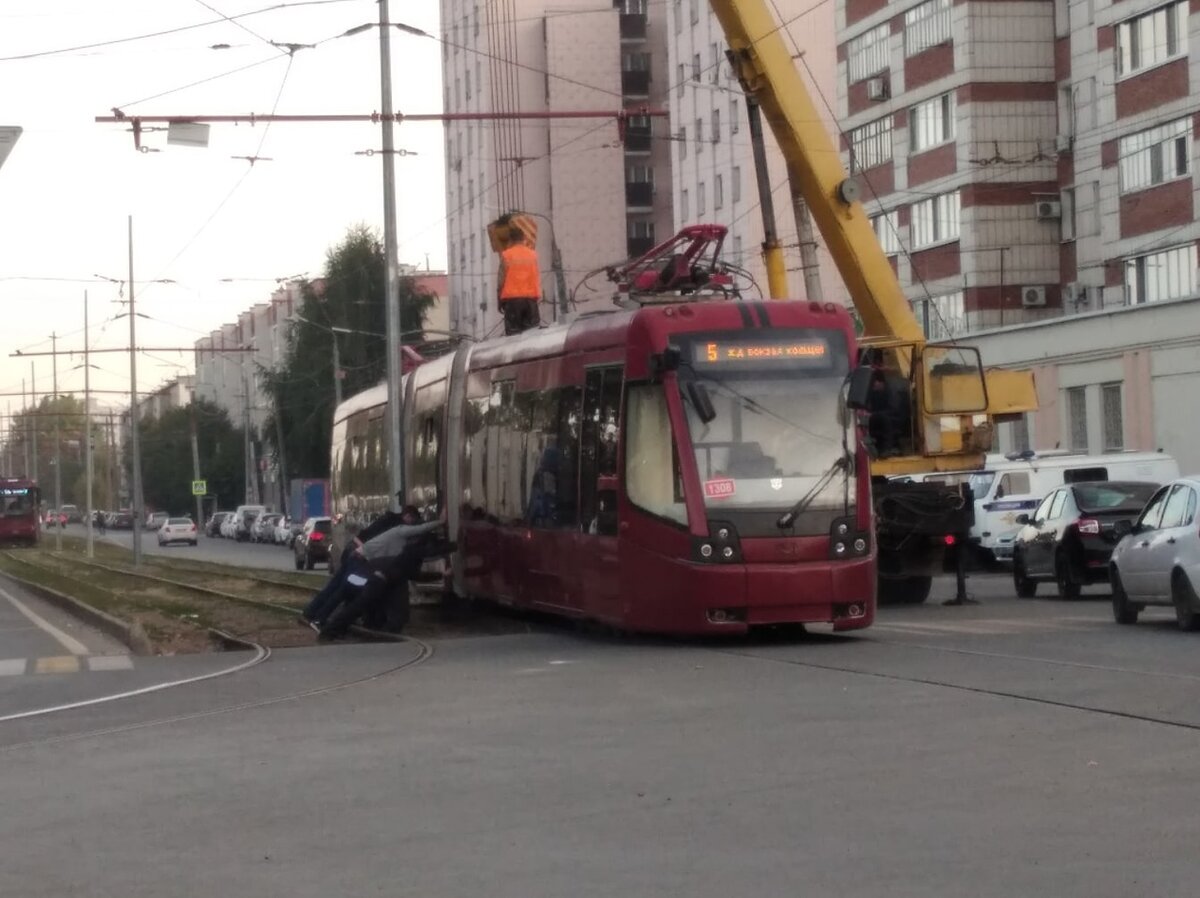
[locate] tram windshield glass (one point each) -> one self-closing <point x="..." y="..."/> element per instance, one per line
<point x="768" y="422"/>
<point x="16" y="501"/>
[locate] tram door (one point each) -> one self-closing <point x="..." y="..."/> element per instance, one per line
<point x="596" y="541"/>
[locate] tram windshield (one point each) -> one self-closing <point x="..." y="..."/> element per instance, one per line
<point x="16" y="502"/>
<point x="776" y="428"/>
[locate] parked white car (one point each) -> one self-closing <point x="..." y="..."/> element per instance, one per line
<point x="227" y="527"/>
<point x="178" y="530"/>
<point x="1158" y="562"/>
<point x="283" y="531"/>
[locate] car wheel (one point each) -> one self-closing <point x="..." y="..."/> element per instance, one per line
<point x="1025" y="586"/>
<point x="1067" y="587"/>
<point x="1124" y="611"/>
<point x="1185" y="601"/>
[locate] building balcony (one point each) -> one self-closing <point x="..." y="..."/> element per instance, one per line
<point x="637" y="140"/>
<point x="639" y="194"/>
<point x="638" y="246"/>
<point x="633" y="26"/>
<point x="635" y="83"/>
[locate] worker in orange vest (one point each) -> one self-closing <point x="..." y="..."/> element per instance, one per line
<point x="520" y="287"/>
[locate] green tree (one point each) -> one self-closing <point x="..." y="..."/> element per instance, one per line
<point x="36" y="425"/>
<point x="166" y="444"/>
<point x="350" y="297"/>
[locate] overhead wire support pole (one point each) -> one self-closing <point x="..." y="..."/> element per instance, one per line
<point x="33" y="428"/>
<point x="135" y="480"/>
<point x="395" y="412"/>
<point x="87" y="436"/>
<point x="57" y="453"/>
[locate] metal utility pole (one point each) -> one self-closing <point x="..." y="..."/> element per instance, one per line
<point x="337" y="371"/>
<point x="57" y="452"/>
<point x="135" y="441"/>
<point x="395" y="419"/>
<point x="33" y="424"/>
<point x="810" y="263"/>
<point x="28" y="419"/>
<point x="111" y="442"/>
<point x="196" y="464"/>
<point x="87" y="435"/>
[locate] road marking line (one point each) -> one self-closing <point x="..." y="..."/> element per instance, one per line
<point x="110" y="662"/>
<point x="57" y="664"/>
<point x="12" y="667"/>
<point x="70" y="643"/>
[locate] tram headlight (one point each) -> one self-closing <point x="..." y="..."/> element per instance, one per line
<point x="723" y="534"/>
<point x="706" y="550"/>
<point x="727" y="552"/>
<point x="842" y="529"/>
<point x="860" y="545"/>
<point x="839" y="548"/>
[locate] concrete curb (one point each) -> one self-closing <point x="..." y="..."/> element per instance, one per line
<point x="131" y="634"/>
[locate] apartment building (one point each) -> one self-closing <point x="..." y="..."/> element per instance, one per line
<point x="713" y="165"/>
<point x="594" y="187"/>
<point x="1030" y="170"/>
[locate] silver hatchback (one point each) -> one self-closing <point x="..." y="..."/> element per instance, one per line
<point x="1158" y="561"/>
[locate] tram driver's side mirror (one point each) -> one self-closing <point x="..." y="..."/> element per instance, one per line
<point x="701" y="401"/>
<point x="858" y="396"/>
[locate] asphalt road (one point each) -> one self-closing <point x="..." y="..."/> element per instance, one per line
<point x="223" y="551"/>
<point x="1010" y="748"/>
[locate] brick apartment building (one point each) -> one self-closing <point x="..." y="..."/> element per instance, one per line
<point x="1030" y="169"/>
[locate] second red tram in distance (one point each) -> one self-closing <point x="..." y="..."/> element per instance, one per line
<point x="687" y="468"/>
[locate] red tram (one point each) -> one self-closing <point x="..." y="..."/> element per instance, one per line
<point x="19" y="516"/>
<point x="683" y="468"/>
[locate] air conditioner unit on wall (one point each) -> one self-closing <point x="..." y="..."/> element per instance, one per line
<point x="1033" y="297"/>
<point x="877" y="89"/>
<point x="1047" y="209"/>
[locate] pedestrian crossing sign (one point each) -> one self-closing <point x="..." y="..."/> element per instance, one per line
<point x="199" y="487"/>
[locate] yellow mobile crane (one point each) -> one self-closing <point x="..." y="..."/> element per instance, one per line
<point x="943" y="403"/>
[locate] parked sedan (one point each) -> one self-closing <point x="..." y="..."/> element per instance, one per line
<point x="156" y="519"/>
<point x="228" y="530"/>
<point x="213" y="527"/>
<point x="178" y="530"/>
<point x="312" y="543"/>
<point x="263" y="528"/>
<point x="1070" y="537"/>
<point x="283" y="531"/>
<point x="1158" y="562"/>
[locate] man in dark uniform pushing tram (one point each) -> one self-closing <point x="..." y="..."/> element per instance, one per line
<point x="520" y="288"/>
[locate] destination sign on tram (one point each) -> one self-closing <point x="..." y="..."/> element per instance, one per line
<point x="719" y="353"/>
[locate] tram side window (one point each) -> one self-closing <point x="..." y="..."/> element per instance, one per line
<point x="426" y="465"/>
<point x="598" y="451"/>
<point x="475" y="458"/>
<point x="498" y="424"/>
<point x="652" y="477"/>
<point x="551" y="455"/>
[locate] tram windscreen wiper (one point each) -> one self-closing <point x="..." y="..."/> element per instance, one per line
<point x="841" y="463"/>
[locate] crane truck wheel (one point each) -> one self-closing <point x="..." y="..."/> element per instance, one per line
<point x="906" y="591"/>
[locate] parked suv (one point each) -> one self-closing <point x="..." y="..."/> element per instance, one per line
<point x="213" y="527"/>
<point x="243" y="520"/>
<point x="72" y="514"/>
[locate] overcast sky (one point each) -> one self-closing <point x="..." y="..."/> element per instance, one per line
<point x="200" y="216"/>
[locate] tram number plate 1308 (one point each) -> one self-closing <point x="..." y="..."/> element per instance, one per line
<point x="719" y="489"/>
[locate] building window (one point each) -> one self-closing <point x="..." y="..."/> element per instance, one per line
<point x="734" y="118"/>
<point x="467" y="82"/>
<point x="887" y="229"/>
<point x="926" y="26"/>
<point x="1152" y="38"/>
<point x="1077" y="418"/>
<point x="678" y="16"/>
<point x="696" y="67"/>
<point x="931" y="123"/>
<point x="700" y="210"/>
<point x="943" y="317"/>
<point x="682" y="138"/>
<point x="716" y="126"/>
<point x="641" y="230"/>
<point x="694" y="12"/>
<point x="718" y="192"/>
<point x="685" y="211"/>
<point x="471" y="193"/>
<point x="640" y="174"/>
<point x="475" y="18"/>
<point x="680" y="79"/>
<point x="1170" y="274"/>
<point x="867" y="54"/>
<point x="736" y="187"/>
<point x="935" y="220"/>
<point x="1112" y="423"/>
<point x="1155" y="155"/>
<point x="871" y="145"/>
<point x="1067" y="199"/>
<point x="636" y="62"/>
<point x="737" y="248"/>
<point x="699" y="135"/>
<point x="715" y="74"/>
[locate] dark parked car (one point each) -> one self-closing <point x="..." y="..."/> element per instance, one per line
<point x="312" y="543"/>
<point x="1070" y="537"/>
<point x="122" y="520"/>
<point x="213" y="526"/>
